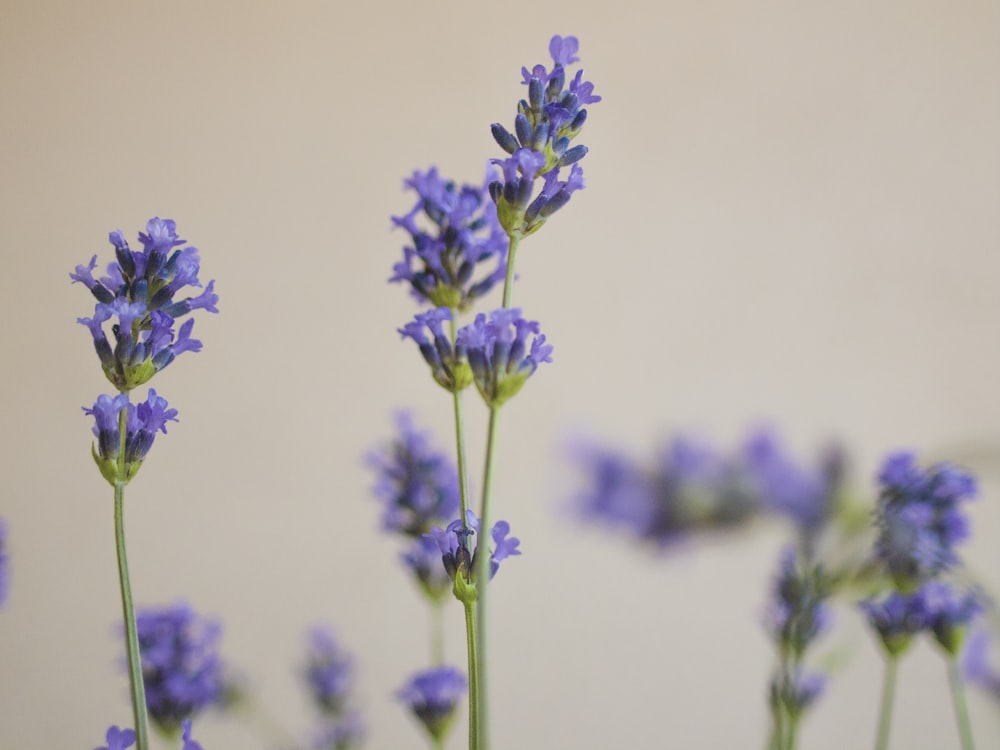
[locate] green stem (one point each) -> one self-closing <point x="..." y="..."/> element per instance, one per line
<point x="508" y="282"/>
<point x="128" y="608"/>
<point x="483" y="570"/>
<point x="885" y="706"/>
<point x="475" y="718"/>
<point x="463" y="468"/>
<point x="958" y="700"/>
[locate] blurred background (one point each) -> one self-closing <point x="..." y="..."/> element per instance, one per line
<point x="790" y="217"/>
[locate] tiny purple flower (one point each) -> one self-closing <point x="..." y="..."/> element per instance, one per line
<point x="448" y="365"/>
<point x="432" y="696"/>
<point x="329" y="671"/>
<point x="423" y="559"/>
<point x="949" y="611"/>
<point x="118" y="739"/>
<point x="798" y="610"/>
<point x="343" y="732"/>
<point x="896" y="619"/>
<point x="459" y="559"/>
<point x="189" y="742"/>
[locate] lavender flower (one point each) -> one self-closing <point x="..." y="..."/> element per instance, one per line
<point x="949" y="610"/>
<point x="118" y="739"/>
<point x="896" y="619"/>
<point x="690" y="487"/>
<point x="975" y="662"/>
<point x="499" y="355"/>
<point x="448" y="365"/>
<point x="464" y="233"/>
<point x="432" y="696"/>
<point x="799" y="611"/>
<point x="139" y="291"/>
<point x="341" y="733"/>
<point x="180" y="665"/>
<point x="417" y="484"/>
<point x="189" y="742"/>
<point x="460" y="561"/>
<point x="4" y="572"/>
<point x="329" y="671"/>
<point x="795" y="690"/>
<point x="547" y="121"/>
<point x="919" y="518"/>
<point x="142" y="422"/>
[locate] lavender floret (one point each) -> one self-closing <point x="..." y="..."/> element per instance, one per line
<point x="432" y="696"/>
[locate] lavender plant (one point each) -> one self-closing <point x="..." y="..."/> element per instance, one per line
<point x="455" y="231"/>
<point x="139" y="300"/>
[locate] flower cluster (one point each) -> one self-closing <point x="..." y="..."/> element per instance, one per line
<point x="448" y="364"/>
<point x="798" y="614"/>
<point x="547" y="121"/>
<point x="142" y="421"/>
<point x="329" y="676"/>
<point x="122" y="739"/>
<point x="693" y="487"/>
<point x="139" y="293"/>
<point x="464" y="233"/>
<point x="432" y="696"/>
<point x="181" y="668"/>
<point x="460" y="561"/>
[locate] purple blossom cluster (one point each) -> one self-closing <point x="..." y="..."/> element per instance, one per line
<point x="459" y="557"/>
<point x="432" y="696"/>
<point x="694" y="487"/>
<point x="457" y="234"/>
<point x="547" y="121"/>
<point x="181" y="667"/>
<point x="142" y="422"/>
<point x="416" y="483"/>
<point x="139" y="297"/>
<point x="329" y="677"/>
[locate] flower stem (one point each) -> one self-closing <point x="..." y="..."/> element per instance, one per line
<point x="508" y="282"/>
<point x="885" y="706"/>
<point x="463" y="468"/>
<point x="958" y="700"/>
<point x="128" y="608"/>
<point x="475" y="718"/>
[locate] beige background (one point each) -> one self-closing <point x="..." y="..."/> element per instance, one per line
<point x="791" y="215"/>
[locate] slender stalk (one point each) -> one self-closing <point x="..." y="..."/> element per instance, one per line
<point x="483" y="570"/>
<point x="958" y="700"/>
<point x="463" y="468"/>
<point x="128" y="608"/>
<point x="885" y="705"/>
<point x="508" y="282"/>
<point x="475" y="718"/>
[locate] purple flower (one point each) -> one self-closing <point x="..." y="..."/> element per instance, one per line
<point x="180" y="663"/>
<point x="118" y="739"/>
<point x="189" y="742"/>
<point x="340" y="733"/>
<point x="459" y="559"/>
<point x="417" y="484"/>
<point x="432" y="696"/>
<point x="423" y="559"/>
<point x="139" y="291"/>
<point x="499" y="353"/>
<point x="919" y="518"/>
<point x="975" y="662"/>
<point x="949" y="610"/>
<point x="458" y="233"/>
<point x="796" y="689"/>
<point x="448" y="365"/>
<point x="896" y="619"/>
<point x="539" y="146"/>
<point x="329" y="671"/>
<point x="798" y="610"/>
<point x="142" y="422"/>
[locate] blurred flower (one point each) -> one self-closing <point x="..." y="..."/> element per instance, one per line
<point x="341" y="733"/>
<point x="976" y="665"/>
<point x="329" y="671"/>
<point x="423" y="559"/>
<point x="798" y="610"/>
<point x="949" y="610"/>
<point x="499" y="354"/>
<point x="795" y="690"/>
<point x="432" y="696"/>
<point x="919" y="519"/>
<point x="139" y="292"/>
<point x="464" y="233"/>
<point x="180" y="664"/>
<point x="896" y="619"/>
<point x="118" y="739"/>
<point x="417" y="484"/>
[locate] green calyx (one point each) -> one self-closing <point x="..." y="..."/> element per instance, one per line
<point x="464" y="589"/>
<point x="446" y="296"/>
<point x="110" y="470"/>
<point x="132" y="376"/>
<point x="455" y="376"/>
<point x="504" y="390"/>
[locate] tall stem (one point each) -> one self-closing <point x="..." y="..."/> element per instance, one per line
<point x="476" y="733"/>
<point x="463" y="468"/>
<point x="958" y="700"/>
<point x="128" y="608"/>
<point x="508" y="282"/>
<point x="885" y="705"/>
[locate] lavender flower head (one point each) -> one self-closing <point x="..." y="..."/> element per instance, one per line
<point x="896" y="619"/>
<point x="919" y="518"/>
<point x="432" y="696"/>
<point x="329" y="671"/>
<point x="459" y="232"/>
<point x="796" y="689"/>
<point x="547" y="121"/>
<point x="949" y="610"/>
<point x="118" y="739"/>
<point x="344" y="732"/>
<point x="448" y="365"/>
<point x="139" y="297"/>
<point x="417" y="484"/>
<point x="499" y="353"/>
<point x="460" y="561"/>
<point x="690" y="487"/>
<point x="180" y="664"/>
<point x="798" y="610"/>
<point x="142" y="422"/>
